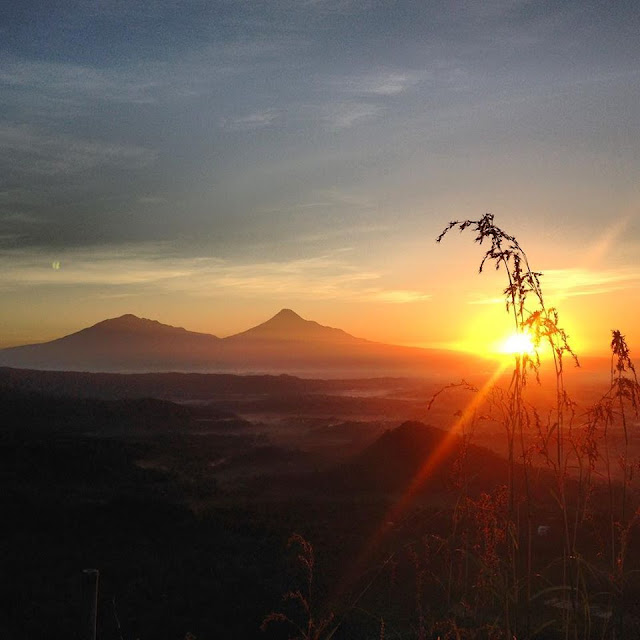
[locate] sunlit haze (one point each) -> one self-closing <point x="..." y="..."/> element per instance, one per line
<point x="207" y="164"/>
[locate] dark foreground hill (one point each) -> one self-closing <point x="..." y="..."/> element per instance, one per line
<point x="416" y="450"/>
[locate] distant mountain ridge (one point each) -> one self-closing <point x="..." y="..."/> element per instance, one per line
<point x="126" y="343"/>
<point x="286" y="343"/>
<point x="129" y="322"/>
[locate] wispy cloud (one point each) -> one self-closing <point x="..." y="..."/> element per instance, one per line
<point x="566" y="283"/>
<point x="251" y="121"/>
<point x="326" y="277"/>
<point x="360" y="98"/>
<point x="72" y="83"/>
<point x="57" y="87"/>
<point x="344" y="115"/>
<point x="558" y="284"/>
<point x="384" y="83"/>
<point x="339" y="6"/>
<point x="342" y="232"/>
<point x="35" y="152"/>
<point x="400" y="296"/>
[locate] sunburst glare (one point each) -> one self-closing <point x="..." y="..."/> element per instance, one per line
<point x="518" y="343"/>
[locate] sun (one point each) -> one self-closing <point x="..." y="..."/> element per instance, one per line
<point x="518" y="343"/>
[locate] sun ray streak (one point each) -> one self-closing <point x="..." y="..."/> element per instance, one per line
<point x="397" y="510"/>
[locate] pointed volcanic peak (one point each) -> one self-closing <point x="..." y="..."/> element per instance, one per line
<point x="288" y="326"/>
<point x="126" y="343"/>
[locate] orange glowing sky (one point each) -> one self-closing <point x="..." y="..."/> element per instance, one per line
<point x="446" y="303"/>
<point x="209" y="168"/>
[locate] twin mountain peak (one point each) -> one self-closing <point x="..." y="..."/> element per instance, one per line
<point x="285" y="325"/>
<point x="285" y="343"/>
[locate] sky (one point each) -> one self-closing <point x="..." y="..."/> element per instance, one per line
<point x="206" y="164"/>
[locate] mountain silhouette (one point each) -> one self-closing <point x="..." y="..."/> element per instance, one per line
<point x="129" y="322"/>
<point x="287" y="325"/>
<point x="126" y="343"/>
<point x="286" y="343"/>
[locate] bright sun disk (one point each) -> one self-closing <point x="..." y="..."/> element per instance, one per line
<point x="518" y="343"/>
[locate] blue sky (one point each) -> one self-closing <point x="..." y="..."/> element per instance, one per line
<point x="207" y="163"/>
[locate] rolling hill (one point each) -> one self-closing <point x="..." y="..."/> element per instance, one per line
<point x="392" y="461"/>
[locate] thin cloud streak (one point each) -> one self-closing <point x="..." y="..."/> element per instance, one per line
<point x="327" y="277"/>
<point x="559" y="284"/>
<point x="70" y="84"/>
<point x="251" y="121"/>
<point x="34" y="152"/>
<point x="191" y="74"/>
<point x="385" y="83"/>
<point x="348" y="114"/>
<point x="567" y="283"/>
